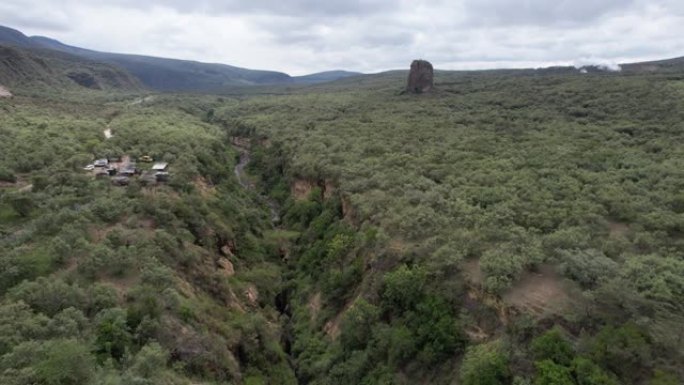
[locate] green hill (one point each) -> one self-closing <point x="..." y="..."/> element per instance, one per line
<point x="171" y="74"/>
<point x="476" y="230"/>
<point x="322" y="77"/>
<point x="164" y="74"/>
<point x="24" y="68"/>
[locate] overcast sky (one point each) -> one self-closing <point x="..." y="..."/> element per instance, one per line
<point x="304" y="36"/>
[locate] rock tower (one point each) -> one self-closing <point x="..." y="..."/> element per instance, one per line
<point x="421" y="77"/>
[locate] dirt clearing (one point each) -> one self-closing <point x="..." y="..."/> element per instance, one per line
<point x="540" y="293"/>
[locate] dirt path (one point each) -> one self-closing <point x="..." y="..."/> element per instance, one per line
<point x="240" y="169"/>
<point x="143" y="100"/>
<point x="4" y="92"/>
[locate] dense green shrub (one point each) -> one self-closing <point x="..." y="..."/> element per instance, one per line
<point x="623" y="350"/>
<point x="149" y="361"/>
<point x="49" y="296"/>
<point x="18" y="323"/>
<point x="551" y="373"/>
<point x="7" y="176"/>
<point x="553" y="346"/>
<point x="358" y="324"/>
<point x="22" y="203"/>
<point x="58" y="362"/>
<point x="485" y="364"/>
<point x="436" y="331"/>
<point x="588" y="267"/>
<point x="402" y="289"/>
<point x="112" y="333"/>
<point x="587" y="372"/>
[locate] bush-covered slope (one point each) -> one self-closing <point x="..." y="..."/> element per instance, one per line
<point x="174" y="75"/>
<point x="470" y="220"/>
<point x="510" y="228"/>
<point x="164" y="74"/>
<point x="27" y="68"/>
<point x="102" y="284"/>
<point x="13" y="37"/>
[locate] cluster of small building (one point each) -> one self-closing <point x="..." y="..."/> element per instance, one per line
<point x="120" y="170"/>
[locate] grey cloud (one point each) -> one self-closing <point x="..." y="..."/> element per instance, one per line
<point x="334" y="34"/>
<point x="297" y="8"/>
<point x="33" y="16"/>
<point x="368" y="35"/>
<point x="542" y="12"/>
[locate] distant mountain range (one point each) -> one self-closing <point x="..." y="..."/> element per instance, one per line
<point x="36" y="61"/>
<point x="163" y="74"/>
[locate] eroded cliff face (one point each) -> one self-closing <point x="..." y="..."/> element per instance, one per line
<point x="302" y="188"/>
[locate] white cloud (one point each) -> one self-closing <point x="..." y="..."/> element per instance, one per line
<point x="301" y="36"/>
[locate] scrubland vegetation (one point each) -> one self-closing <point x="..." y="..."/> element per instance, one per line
<point x="123" y="285"/>
<point x="509" y="228"/>
<point x="454" y="202"/>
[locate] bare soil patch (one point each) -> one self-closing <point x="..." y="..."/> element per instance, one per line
<point x="472" y="271"/>
<point x="539" y="293"/>
<point x="204" y="188"/>
<point x="332" y="327"/>
<point x="398" y="246"/>
<point x="4" y="92"/>
<point x="617" y="229"/>
<point x="122" y="284"/>
<point x="314" y="306"/>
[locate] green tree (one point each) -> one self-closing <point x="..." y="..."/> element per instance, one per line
<point x="22" y="203"/>
<point x="66" y="362"/>
<point x="7" y="176"/>
<point x="69" y="323"/>
<point x="437" y="331"/>
<point x="623" y="350"/>
<point x="588" y="267"/>
<point x="49" y="296"/>
<point x="485" y="364"/>
<point x="588" y="373"/>
<point x="399" y="343"/>
<point x="54" y="362"/>
<point x="18" y="323"/>
<point x="150" y="361"/>
<point x="112" y="334"/>
<point x="656" y="277"/>
<point x="550" y="373"/>
<point x="100" y="297"/>
<point x="553" y="346"/>
<point x="661" y="377"/>
<point x="357" y="325"/>
<point x="402" y="289"/>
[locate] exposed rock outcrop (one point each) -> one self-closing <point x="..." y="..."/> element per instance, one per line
<point x="226" y="267"/>
<point x="301" y="188"/>
<point x="421" y="77"/>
